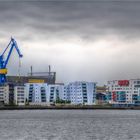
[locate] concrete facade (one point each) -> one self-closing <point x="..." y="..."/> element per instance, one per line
<point x="4" y="94"/>
<point x="81" y="93"/>
<point x="43" y="94"/>
<point x="55" y="92"/>
<point x="19" y="95"/>
<point x="36" y="93"/>
<point x="76" y="93"/>
<point x="123" y="91"/>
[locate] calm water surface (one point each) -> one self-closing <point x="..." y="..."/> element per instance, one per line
<point x="70" y="125"/>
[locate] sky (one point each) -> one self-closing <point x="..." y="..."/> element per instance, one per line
<point x="82" y="40"/>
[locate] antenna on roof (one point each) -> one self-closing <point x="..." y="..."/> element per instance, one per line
<point x="31" y="70"/>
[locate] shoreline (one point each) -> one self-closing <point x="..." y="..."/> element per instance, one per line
<point x="67" y="108"/>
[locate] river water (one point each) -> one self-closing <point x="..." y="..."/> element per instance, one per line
<point x="70" y="125"/>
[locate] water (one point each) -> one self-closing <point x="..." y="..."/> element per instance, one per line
<point x="70" y="125"/>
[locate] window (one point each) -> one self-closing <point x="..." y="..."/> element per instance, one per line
<point x="135" y="91"/>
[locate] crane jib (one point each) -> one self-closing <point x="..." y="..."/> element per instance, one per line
<point x="3" y="62"/>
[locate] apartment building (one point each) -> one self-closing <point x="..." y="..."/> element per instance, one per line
<point x="43" y="94"/>
<point x="19" y="95"/>
<point x="123" y="91"/>
<point x="4" y="94"/>
<point x="55" y="92"/>
<point x="81" y="93"/>
<point x="36" y="93"/>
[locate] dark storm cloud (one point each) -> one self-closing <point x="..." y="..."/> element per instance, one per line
<point x="35" y="21"/>
<point x="85" y="19"/>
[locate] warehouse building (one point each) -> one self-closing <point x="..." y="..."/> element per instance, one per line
<point x="46" y="78"/>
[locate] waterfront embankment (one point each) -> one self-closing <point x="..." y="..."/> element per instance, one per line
<point x="67" y="107"/>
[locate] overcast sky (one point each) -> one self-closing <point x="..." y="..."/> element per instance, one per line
<point x="89" y="41"/>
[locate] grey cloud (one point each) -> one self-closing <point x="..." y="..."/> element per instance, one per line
<point x="81" y="18"/>
<point x="90" y="21"/>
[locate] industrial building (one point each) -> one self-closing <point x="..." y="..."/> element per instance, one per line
<point x="47" y="77"/>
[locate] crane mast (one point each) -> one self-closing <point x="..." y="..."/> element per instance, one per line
<point x="3" y="62"/>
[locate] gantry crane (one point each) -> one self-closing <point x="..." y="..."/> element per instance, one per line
<point x="4" y="60"/>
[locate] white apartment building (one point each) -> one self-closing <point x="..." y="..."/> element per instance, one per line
<point x="75" y="92"/>
<point x="43" y="94"/>
<point x="4" y="94"/>
<point x="123" y="91"/>
<point x="36" y="93"/>
<point x="55" y="92"/>
<point x="81" y="93"/>
<point x="19" y="95"/>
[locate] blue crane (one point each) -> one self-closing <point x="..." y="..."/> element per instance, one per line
<point x="3" y="62"/>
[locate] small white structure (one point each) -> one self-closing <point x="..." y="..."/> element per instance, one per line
<point x="19" y="95"/>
